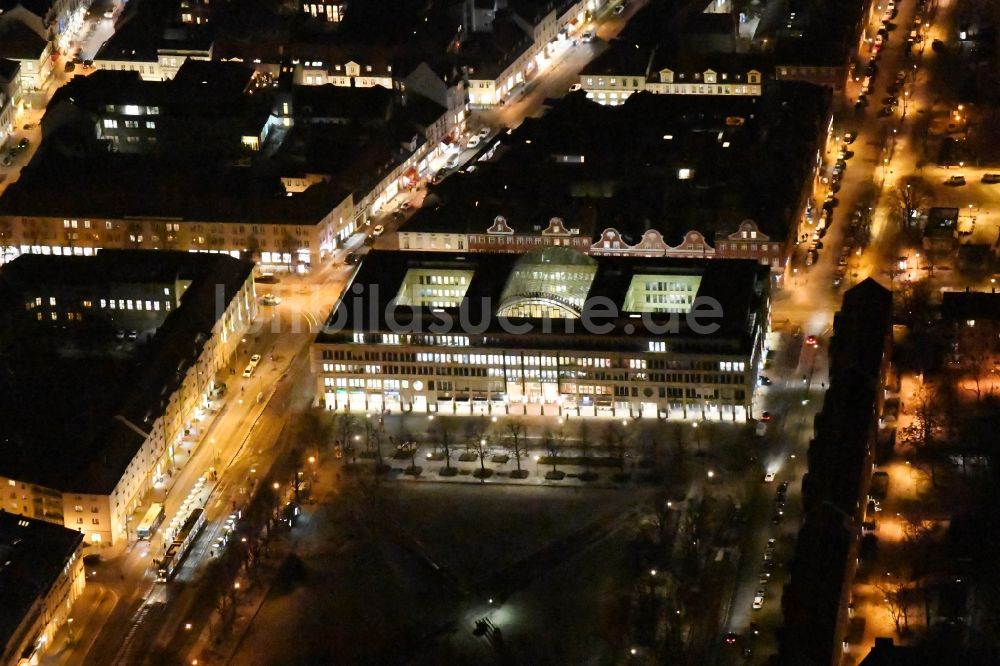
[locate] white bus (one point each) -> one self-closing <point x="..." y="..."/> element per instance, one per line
<point x="152" y="519"/>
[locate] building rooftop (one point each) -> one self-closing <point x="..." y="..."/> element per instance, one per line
<point x="8" y="69"/>
<point x="33" y="553"/>
<point x="564" y="284"/>
<point x="963" y="306"/>
<point x="53" y="185"/>
<point x="78" y="399"/>
<point x="666" y="162"/>
<point x="37" y="7"/>
<point x="20" y="42"/>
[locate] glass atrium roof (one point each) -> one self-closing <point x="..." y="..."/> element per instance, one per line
<point x="552" y="282"/>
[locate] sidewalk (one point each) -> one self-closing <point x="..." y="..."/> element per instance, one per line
<point x="253" y="593"/>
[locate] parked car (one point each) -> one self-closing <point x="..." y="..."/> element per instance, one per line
<point x="473" y="141"/>
<point x="758" y="599"/>
<point x="484" y="132"/>
<point x="955" y="181"/>
<point x="769" y="477"/>
<point x="991" y="178"/>
<point x="351" y="258"/>
<point x="588" y="36"/>
<point x="270" y="299"/>
<point x="378" y="230"/>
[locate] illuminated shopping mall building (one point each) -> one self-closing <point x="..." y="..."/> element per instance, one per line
<point x="551" y="332"/>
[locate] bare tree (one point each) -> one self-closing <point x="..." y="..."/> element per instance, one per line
<point x="615" y="440"/>
<point x="482" y="448"/>
<point x="442" y="430"/>
<point x="584" y="445"/>
<point x="910" y="195"/>
<point x="313" y="429"/>
<point x="924" y="431"/>
<point x="515" y="434"/>
<point x="896" y="600"/>
<point x="345" y="425"/>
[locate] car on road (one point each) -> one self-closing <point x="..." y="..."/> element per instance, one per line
<point x="765" y="380"/>
<point x="769" y="477"/>
<point x="351" y="258"/>
<point x="270" y="299"/>
<point x="473" y="141"/>
<point x="779" y="507"/>
<point x="405" y="206"/>
<point x="731" y="638"/>
<point x="6" y="161"/>
<point x="776" y="519"/>
<point x="991" y="178"/>
<point x="765" y="416"/>
<point x="378" y="230"/>
<point x="453" y="160"/>
<point x="955" y="181"/>
<point x="849" y="137"/>
<point x="783" y="488"/>
<point x="812" y="341"/>
<point x="758" y="599"/>
<point x="588" y="36"/>
<point x="484" y="132"/>
<point x="23" y="143"/>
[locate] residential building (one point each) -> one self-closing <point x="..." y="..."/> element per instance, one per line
<point x="571" y="178"/>
<point x="95" y="417"/>
<point x="31" y="48"/>
<point x="41" y="575"/>
<point x="505" y="43"/>
<point x="208" y="109"/>
<point x="674" y="48"/>
<point x="550" y="332"/>
<point x="54" y="19"/>
<point x="10" y="97"/>
<point x="816" y="600"/>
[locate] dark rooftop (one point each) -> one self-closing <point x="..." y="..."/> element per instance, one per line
<point x="20" y="42"/>
<point x="74" y="401"/>
<point x="33" y="553"/>
<point x="54" y="186"/>
<point x="666" y="162"/>
<point x="962" y="306"/>
<point x="739" y="286"/>
<point x="8" y="68"/>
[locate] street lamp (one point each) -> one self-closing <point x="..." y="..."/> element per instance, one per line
<point x="276" y="485"/>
